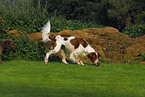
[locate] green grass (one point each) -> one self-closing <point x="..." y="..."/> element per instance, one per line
<point x="35" y="79"/>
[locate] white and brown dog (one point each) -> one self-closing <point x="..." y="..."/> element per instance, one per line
<point x="75" y="47"/>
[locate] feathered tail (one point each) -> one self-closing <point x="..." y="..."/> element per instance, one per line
<point x="46" y="32"/>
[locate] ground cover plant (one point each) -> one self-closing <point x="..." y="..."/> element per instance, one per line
<point x="35" y="79"/>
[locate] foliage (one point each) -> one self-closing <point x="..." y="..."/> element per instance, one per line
<point x="24" y="16"/>
<point x="74" y="9"/>
<point x="31" y="15"/>
<point x="140" y="18"/>
<point x="108" y="12"/>
<point x="58" y="24"/>
<point x="21" y="15"/>
<point x="143" y="55"/>
<point x="119" y="11"/>
<point x="26" y="49"/>
<point x="134" y="31"/>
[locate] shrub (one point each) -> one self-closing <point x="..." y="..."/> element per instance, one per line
<point x="135" y="30"/>
<point x="21" y="15"/>
<point x="26" y="49"/>
<point x="60" y="23"/>
<point x="141" y="57"/>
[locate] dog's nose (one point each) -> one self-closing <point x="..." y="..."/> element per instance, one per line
<point x="97" y="64"/>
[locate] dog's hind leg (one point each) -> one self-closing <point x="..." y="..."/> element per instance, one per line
<point x="63" y="56"/>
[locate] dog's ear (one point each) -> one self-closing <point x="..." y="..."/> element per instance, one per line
<point x="99" y="55"/>
<point x="94" y="56"/>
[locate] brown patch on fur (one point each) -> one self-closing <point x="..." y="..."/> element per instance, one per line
<point x="92" y="56"/>
<point x="52" y="36"/>
<point x="7" y="44"/>
<point x="99" y="55"/>
<point x="65" y="36"/>
<point x="54" y="44"/>
<point x="77" y="41"/>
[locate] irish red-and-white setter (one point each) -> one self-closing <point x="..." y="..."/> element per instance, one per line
<point x="67" y="44"/>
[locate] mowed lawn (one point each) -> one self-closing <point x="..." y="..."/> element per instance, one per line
<point x="35" y="79"/>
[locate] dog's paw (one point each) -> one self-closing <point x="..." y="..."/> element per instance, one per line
<point x="65" y="62"/>
<point x="46" y="61"/>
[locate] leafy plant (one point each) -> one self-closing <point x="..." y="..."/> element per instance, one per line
<point x="26" y="49"/>
<point x="141" y="57"/>
<point x="135" y="30"/>
<point x="22" y="15"/>
<point x="60" y="23"/>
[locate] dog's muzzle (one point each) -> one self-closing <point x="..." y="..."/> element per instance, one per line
<point x="97" y="64"/>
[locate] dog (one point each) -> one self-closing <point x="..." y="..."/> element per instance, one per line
<point x="67" y="44"/>
<point x="6" y="44"/>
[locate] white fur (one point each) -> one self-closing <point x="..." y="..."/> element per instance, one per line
<point x="45" y="32"/>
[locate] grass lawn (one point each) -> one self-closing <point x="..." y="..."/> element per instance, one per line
<point x="35" y="79"/>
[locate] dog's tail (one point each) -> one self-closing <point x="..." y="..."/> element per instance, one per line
<point x="46" y="32"/>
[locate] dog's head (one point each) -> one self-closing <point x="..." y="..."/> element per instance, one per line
<point x="94" y="57"/>
<point x="8" y="44"/>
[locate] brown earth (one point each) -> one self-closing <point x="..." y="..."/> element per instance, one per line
<point x="108" y="41"/>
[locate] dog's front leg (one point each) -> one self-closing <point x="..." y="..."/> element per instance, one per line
<point x="55" y="50"/>
<point x="46" y="58"/>
<point x="81" y="63"/>
<point x="75" y="59"/>
<point x="72" y="58"/>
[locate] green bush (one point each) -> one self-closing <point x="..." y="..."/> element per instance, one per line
<point x="26" y="49"/>
<point x="135" y="30"/>
<point x="143" y="55"/>
<point x="23" y="16"/>
<point x="59" y="23"/>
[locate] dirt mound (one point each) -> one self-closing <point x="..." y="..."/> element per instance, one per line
<point x="34" y="36"/>
<point x="108" y="41"/>
<point x="14" y="33"/>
